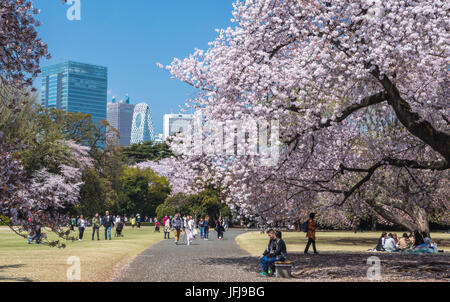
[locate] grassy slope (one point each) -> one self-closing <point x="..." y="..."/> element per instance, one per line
<point x="255" y="242"/>
<point x="99" y="259"/>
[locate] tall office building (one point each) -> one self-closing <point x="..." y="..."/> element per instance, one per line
<point x="142" y="125"/>
<point x="75" y="87"/>
<point x="120" y="116"/>
<point x="174" y="123"/>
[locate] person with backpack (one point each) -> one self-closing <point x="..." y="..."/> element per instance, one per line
<point x="177" y="225"/>
<point x="96" y="226"/>
<point x="310" y="227"/>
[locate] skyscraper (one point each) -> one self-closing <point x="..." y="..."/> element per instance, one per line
<point x="120" y="116"/>
<point x="142" y="126"/>
<point x="174" y="123"/>
<point x="75" y="87"/>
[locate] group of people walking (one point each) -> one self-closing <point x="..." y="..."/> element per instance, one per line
<point x="178" y="224"/>
<point x="108" y="222"/>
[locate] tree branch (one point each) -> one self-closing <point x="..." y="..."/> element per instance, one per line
<point x="413" y="122"/>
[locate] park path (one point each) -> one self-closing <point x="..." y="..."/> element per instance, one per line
<point x="203" y="261"/>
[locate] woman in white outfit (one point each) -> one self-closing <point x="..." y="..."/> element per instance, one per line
<point x="189" y="229"/>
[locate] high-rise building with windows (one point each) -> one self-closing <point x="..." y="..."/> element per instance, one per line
<point x="75" y="87"/>
<point x="120" y="116"/>
<point x="175" y="123"/>
<point x="142" y="125"/>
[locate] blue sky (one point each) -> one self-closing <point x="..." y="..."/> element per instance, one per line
<point x="130" y="37"/>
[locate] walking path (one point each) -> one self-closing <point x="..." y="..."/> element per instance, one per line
<point x="203" y="261"/>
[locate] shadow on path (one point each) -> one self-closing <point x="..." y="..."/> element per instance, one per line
<point x="13" y="266"/>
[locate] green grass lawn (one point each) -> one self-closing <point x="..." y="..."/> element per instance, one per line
<point x="255" y="242"/>
<point x="100" y="260"/>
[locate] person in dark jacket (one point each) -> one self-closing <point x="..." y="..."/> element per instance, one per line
<point x="276" y="251"/>
<point x="220" y="228"/>
<point x="178" y="226"/>
<point x="380" y="244"/>
<point x="36" y="235"/>
<point x="96" y="226"/>
<point x="108" y="223"/>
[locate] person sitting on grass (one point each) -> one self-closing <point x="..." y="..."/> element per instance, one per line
<point x="404" y="243"/>
<point x="395" y="238"/>
<point x="276" y="251"/>
<point x="389" y="244"/>
<point x="380" y="244"/>
<point x="419" y="245"/>
<point x="432" y="246"/>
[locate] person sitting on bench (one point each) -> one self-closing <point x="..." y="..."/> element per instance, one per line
<point x="276" y="251"/>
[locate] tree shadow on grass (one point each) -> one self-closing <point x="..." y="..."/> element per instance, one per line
<point x="13" y="266"/>
<point x="354" y="266"/>
<point x="351" y="266"/>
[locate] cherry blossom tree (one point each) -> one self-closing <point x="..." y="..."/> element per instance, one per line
<point x="361" y="90"/>
<point x="169" y="168"/>
<point x="40" y="200"/>
<point x="20" y="47"/>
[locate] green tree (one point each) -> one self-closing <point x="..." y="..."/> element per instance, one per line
<point x="92" y="194"/>
<point x="147" y="151"/>
<point x="142" y="191"/>
<point x="198" y="205"/>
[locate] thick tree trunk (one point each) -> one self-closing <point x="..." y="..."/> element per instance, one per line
<point x="419" y="217"/>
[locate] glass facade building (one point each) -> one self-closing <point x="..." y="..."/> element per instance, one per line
<point x="142" y="125"/>
<point x="120" y="116"/>
<point x="75" y="87"/>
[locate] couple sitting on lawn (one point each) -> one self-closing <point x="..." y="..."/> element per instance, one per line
<point x="276" y="251"/>
<point x="415" y="243"/>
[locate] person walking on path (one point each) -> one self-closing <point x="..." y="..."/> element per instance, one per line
<point x="189" y="230"/>
<point x="167" y="229"/>
<point x="108" y="223"/>
<point x="206" y="227"/>
<point x="202" y="228"/>
<point x="311" y="234"/>
<point x="177" y="225"/>
<point x="220" y="228"/>
<point x="138" y="221"/>
<point x="96" y="226"/>
<point x="81" y="227"/>
<point x="133" y="222"/>
<point x="226" y="223"/>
